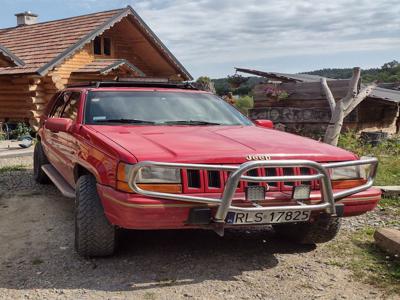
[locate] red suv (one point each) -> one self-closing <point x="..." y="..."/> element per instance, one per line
<point x="147" y="155"/>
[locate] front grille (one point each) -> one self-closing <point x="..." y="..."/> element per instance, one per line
<point x="270" y="172"/>
<point x="193" y="179"/>
<point x="289" y="172"/>
<point x="204" y="181"/>
<point x="214" y="179"/>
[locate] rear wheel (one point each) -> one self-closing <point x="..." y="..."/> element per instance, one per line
<point x="39" y="160"/>
<point x="94" y="235"/>
<point x="320" y="231"/>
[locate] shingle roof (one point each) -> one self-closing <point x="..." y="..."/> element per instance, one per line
<point x="7" y="53"/>
<point x="44" y="45"/>
<point x="386" y="94"/>
<point x="38" y="44"/>
<point x="103" y="66"/>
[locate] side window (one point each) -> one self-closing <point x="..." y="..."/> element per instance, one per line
<point x="59" y="105"/>
<point x="72" y="106"/>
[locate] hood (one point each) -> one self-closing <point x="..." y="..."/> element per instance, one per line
<point x="216" y="144"/>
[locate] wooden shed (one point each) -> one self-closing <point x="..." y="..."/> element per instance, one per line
<point x="38" y="59"/>
<point x="298" y="102"/>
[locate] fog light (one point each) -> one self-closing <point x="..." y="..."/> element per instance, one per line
<point x="301" y="192"/>
<point x="255" y="193"/>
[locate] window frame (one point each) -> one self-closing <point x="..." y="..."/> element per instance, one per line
<point x="102" y="47"/>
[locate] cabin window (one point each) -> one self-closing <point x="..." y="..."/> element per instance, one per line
<point x="102" y="46"/>
<point x="97" y="46"/>
<point x="107" y="46"/>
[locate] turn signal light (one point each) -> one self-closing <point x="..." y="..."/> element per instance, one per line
<point x="348" y="183"/>
<point x="161" y="188"/>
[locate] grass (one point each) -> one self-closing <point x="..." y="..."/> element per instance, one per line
<point x="12" y="168"/>
<point x="388" y="153"/>
<point x="391" y="206"/>
<point x="357" y="251"/>
<point x="388" y="171"/>
<point x="368" y="263"/>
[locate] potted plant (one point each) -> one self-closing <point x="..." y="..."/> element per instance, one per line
<point x="276" y="93"/>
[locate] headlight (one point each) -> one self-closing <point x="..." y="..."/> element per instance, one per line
<point x="156" y="179"/>
<point x="159" y="175"/>
<point x="350" y="172"/>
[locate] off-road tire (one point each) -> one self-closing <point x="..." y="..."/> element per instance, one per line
<point x="320" y="231"/>
<point x="39" y="160"/>
<point x="94" y="235"/>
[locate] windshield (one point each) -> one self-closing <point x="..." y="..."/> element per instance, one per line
<point x="160" y="108"/>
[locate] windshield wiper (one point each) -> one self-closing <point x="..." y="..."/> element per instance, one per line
<point x="127" y="121"/>
<point x="191" y="122"/>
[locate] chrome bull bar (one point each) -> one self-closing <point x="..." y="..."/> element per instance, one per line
<point x="224" y="203"/>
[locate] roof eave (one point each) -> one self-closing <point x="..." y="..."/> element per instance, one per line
<point x="160" y="43"/>
<point x="65" y="54"/>
<point x="124" y="13"/>
<point x="122" y="62"/>
<point x="15" y="59"/>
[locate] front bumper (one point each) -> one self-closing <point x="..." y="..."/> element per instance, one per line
<point x="134" y="211"/>
<point x="152" y="210"/>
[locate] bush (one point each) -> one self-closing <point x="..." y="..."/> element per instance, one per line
<point x="351" y="142"/>
<point x="244" y="104"/>
<point x="21" y="130"/>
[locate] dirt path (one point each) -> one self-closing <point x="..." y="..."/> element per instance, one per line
<point x="37" y="260"/>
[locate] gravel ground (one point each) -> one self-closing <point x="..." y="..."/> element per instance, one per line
<point x="38" y="261"/>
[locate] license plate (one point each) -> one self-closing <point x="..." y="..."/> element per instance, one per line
<point x="270" y="217"/>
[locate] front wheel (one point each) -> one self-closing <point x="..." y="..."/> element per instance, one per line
<point x="94" y="235"/>
<point x="320" y="231"/>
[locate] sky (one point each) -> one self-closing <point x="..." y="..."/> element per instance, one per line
<point x="211" y="37"/>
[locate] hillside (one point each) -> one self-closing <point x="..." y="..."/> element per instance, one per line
<point x="389" y="72"/>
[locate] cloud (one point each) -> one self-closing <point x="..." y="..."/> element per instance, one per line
<point x="210" y="37"/>
<point x="234" y="31"/>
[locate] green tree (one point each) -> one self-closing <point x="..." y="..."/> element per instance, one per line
<point x="203" y="79"/>
<point x="244" y="103"/>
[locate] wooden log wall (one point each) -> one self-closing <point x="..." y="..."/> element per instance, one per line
<point x="4" y="63"/>
<point x="298" y="93"/>
<point x="24" y="98"/>
<point x="306" y="109"/>
<point x="130" y="44"/>
<point x="61" y="75"/>
<point x="21" y="99"/>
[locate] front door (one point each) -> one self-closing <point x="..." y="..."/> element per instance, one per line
<point x="51" y="140"/>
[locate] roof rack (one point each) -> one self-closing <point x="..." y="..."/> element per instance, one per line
<point x="135" y="82"/>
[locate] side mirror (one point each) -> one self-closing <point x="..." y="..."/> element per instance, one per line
<point x="58" y="124"/>
<point x="264" y="123"/>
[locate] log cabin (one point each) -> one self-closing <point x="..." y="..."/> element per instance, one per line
<point x="39" y="59"/>
<point x="305" y="110"/>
